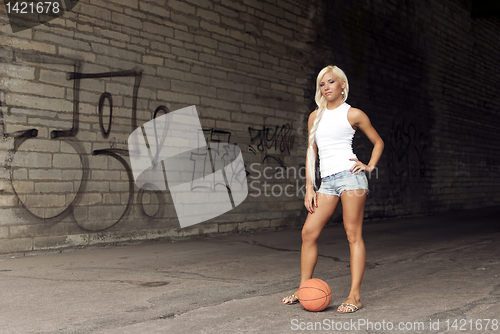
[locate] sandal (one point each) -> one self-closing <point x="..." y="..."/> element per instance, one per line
<point x="351" y="308"/>
<point x="290" y="300"/>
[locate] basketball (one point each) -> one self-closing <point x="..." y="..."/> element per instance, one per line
<point x="314" y="295"/>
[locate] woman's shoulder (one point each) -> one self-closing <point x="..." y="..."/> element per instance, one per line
<point x="356" y="116"/>
<point x="353" y="110"/>
<point x="312" y="117"/>
<point x="355" y="113"/>
<point x="313" y="114"/>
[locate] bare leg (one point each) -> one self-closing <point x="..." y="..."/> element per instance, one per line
<point x="310" y="232"/>
<point x="353" y="204"/>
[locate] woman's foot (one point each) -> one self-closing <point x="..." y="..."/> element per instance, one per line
<point x="351" y="305"/>
<point x="292" y="299"/>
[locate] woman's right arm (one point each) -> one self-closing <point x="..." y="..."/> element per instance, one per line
<point x="310" y="199"/>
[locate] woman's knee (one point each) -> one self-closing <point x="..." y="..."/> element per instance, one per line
<point x="309" y="235"/>
<point x="354" y="235"/>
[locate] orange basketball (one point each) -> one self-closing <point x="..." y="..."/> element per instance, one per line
<point x="314" y="295"/>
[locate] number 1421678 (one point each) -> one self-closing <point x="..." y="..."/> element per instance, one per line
<point x="23" y="7"/>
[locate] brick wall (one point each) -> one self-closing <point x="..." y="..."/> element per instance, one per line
<point x="66" y="177"/>
<point x="425" y="73"/>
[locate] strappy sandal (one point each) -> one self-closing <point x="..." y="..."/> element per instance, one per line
<point x="290" y="300"/>
<point x="351" y="308"/>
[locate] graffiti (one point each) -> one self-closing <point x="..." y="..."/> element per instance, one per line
<point x="105" y="96"/>
<point x="406" y="155"/>
<point x="117" y="154"/>
<point x="94" y="213"/>
<point x="205" y="180"/>
<point x="270" y="139"/>
<point x="69" y="137"/>
<point x="225" y="151"/>
<point x="77" y="77"/>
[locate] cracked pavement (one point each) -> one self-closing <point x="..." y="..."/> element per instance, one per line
<point x="419" y="271"/>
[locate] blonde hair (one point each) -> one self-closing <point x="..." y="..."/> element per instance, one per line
<point x="322" y="104"/>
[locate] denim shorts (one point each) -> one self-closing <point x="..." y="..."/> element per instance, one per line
<point x="339" y="182"/>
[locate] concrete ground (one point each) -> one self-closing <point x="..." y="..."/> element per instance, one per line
<point x="437" y="274"/>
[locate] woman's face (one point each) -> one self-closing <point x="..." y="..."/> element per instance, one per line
<point x="331" y="87"/>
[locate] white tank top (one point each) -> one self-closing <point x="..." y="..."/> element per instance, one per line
<point x="334" y="140"/>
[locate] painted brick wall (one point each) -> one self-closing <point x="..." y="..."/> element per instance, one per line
<point x="425" y="72"/>
<point x="65" y="183"/>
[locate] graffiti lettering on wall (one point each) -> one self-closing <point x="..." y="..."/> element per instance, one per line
<point x="406" y="155"/>
<point x="272" y="141"/>
<point x="69" y="182"/>
<point x="71" y="205"/>
<point x="224" y="151"/>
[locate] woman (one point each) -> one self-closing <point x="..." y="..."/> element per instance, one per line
<point x="331" y="130"/>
